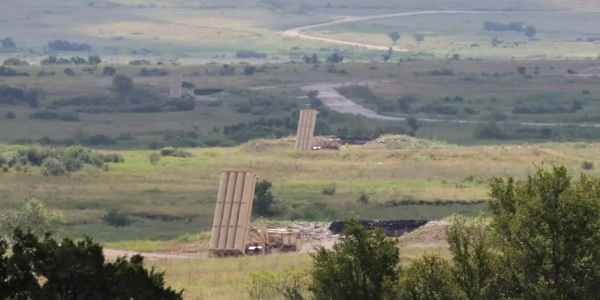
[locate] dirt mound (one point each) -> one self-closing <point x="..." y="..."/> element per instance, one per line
<point x="434" y="232"/>
<point x="264" y="145"/>
<point x="406" y="142"/>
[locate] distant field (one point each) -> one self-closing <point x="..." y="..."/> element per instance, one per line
<point x="177" y="195"/>
<point x="216" y="30"/>
<point x="463" y="34"/>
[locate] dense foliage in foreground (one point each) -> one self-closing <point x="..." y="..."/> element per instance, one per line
<point x="51" y="269"/>
<point x="540" y="243"/>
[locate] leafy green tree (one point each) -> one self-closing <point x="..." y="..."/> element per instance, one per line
<point x="428" y="277"/>
<point x="414" y="125"/>
<point x="49" y="269"/>
<point x="94" y="60"/>
<point x="394" y="36"/>
<point x="548" y="231"/>
<point x="335" y="58"/>
<point x="109" y="71"/>
<point x="122" y="84"/>
<point x="30" y="214"/>
<point x="474" y="258"/>
<point x="364" y="264"/>
<point x="8" y="43"/>
<point x="263" y="199"/>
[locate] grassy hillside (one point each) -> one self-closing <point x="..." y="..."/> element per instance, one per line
<point x="177" y="195"/>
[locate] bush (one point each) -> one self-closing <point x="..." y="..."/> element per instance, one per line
<point x="9" y="72"/>
<point x="69" y="72"/>
<point x="171" y="151"/>
<point x="52" y="115"/>
<point x="10" y="115"/>
<point x="154" y="158"/>
<point x="53" y="167"/>
<point x="249" y="70"/>
<point x="116" y="219"/>
<point x="489" y="131"/>
<point x="61" y="45"/>
<point x="13" y="61"/>
<point x="249" y="54"/>
<point x="328" y="190"/>
<point x="109" y="71"/>
<point x="363" y="198"/>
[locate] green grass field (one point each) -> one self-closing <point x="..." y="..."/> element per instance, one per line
<point x="177" y="195"/>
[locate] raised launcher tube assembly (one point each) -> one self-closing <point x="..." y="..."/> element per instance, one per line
<point x="232" y="234"/>
<point x="232" y="213"/>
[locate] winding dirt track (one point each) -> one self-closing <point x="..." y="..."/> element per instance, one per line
<point x="335" y="101"/>
<point x="297" y="32"/>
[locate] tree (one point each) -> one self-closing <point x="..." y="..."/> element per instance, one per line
<point x="50" y="269"/>
<point x="428" y="277"/>
<point x="474" y="259"/>
<point x="30" y="214"/>
<point x="8" y="43"/>
<point x="335" y="58"/>
<point x="548" y="229"/>
<point x="249" y="70"/>
<point x="419" y="37"/>
<point x="94" y="60"/>
<point x="109" y="71"/>
<point x="122" y="84"/>
<point x="394" y="36"/>
<point x="263" y="199"/>
<point x="69" y="72"/>
<point x="314" y="59"/>
<point x="362" y="265"/>
<point x="414" y="125"/>
<point x="529" y="31"/>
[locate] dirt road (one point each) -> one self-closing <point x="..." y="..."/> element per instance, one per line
<point x="297" y="32"/>
<point x="335" y="101"/>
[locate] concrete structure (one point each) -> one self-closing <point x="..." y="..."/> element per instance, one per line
<point x="232" y="213"/>
<point x="176" y="80"/>
<point x="306" y="129"/>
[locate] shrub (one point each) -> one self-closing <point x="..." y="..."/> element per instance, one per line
<point x="489" y="131"/>
<point x="171" y="151"/>
<point x="249" y="70"/>
<point x="587" y="165"/>
<point x="52" y="115"/>
<point x="10" y="115"/>
<point x="329" y="190"/>
<point x="116" y="218"/>
<point x="61" y="45"/>
<point x="249" y="54"/>
<point x="14" y="61"/>
<point x="154" y="158"/>
<point x="363" y="198"/>
<point x="69" y="72"/>
<point x="53" y="167"/>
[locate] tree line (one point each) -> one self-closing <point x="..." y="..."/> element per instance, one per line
<point x="541" y="242"/>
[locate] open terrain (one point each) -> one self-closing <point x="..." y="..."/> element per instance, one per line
<point x="176" y="196"/>
<point x="217" y="30"/>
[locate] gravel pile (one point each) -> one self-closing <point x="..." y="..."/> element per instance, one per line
<point x="406" y="142"/>
<point x="313" y="230"/>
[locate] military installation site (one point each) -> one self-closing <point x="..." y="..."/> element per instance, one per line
<point x="262" y="149"/>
